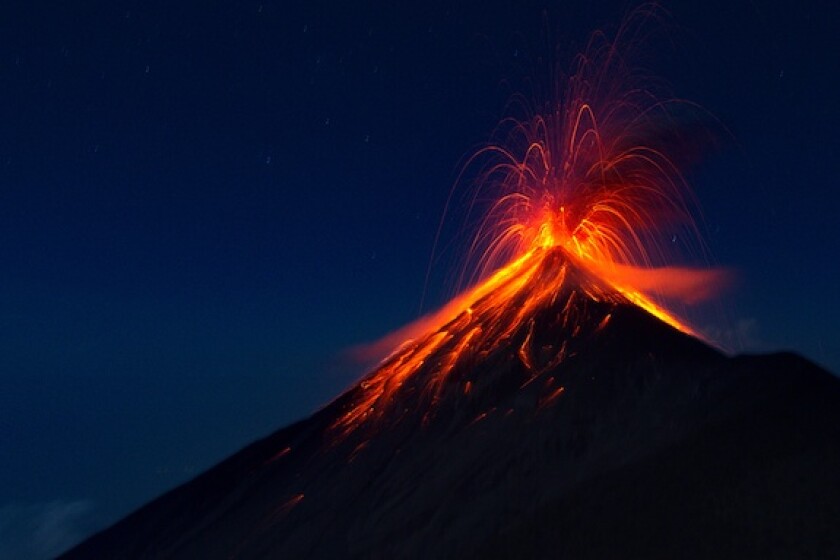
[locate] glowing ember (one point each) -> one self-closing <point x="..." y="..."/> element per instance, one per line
<point x="588" y="203"/>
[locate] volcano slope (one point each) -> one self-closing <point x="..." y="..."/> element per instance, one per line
<point x="577" y="427"/>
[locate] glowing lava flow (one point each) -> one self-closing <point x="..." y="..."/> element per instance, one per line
<point x="588" y="204"/>
<point x="500" y="312"/>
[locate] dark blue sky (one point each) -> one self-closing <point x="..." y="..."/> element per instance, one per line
<point x="201" y="205"/>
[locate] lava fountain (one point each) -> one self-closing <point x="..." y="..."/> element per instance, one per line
<point x="588" y="203"/>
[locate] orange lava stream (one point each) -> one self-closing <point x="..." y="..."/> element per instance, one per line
<point x="484" y="319"/>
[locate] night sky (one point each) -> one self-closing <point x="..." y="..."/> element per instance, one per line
<point x="201" y="206"/>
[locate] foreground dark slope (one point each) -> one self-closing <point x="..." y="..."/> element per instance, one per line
<point x="761" y="483"/>
<point x="658" y="446"/>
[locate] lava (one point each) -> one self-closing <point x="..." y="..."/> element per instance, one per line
<point x="588" y="207"/>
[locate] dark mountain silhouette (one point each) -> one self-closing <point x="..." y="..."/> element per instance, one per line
<point x="582" y="427"/>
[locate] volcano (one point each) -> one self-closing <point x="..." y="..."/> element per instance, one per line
<point x="556" y="408"/>
<point x="547" y="415"/>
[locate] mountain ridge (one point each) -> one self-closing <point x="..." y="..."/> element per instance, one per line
<point x="464" y="463"/>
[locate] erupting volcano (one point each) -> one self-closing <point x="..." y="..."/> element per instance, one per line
<point x="556" y="406"/>
<point x="584" y="194"/>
